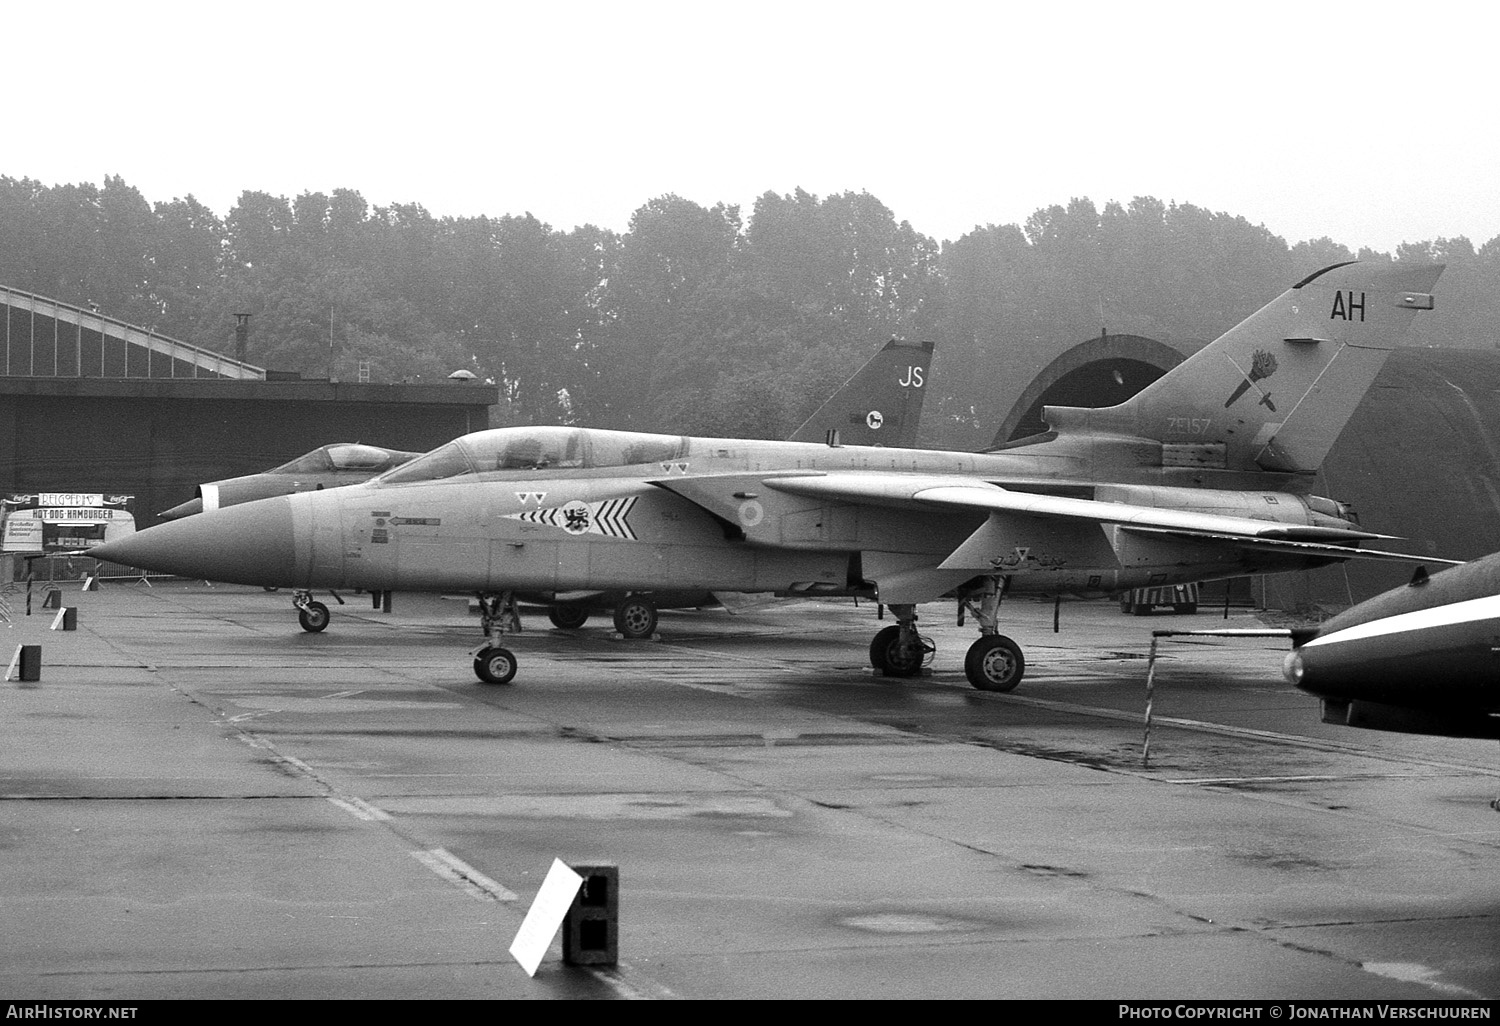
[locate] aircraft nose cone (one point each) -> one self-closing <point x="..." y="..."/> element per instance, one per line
<point x="250" y="543"/>
<point x="1292" y="668"/>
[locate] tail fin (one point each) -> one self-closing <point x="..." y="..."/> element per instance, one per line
<point x="1274" y="391"/>
<point x="881" y="404"/>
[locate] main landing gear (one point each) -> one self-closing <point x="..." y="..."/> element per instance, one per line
<point x="493" y="662"/>
<point x="993" y="663"/>
<point x="567" y="618"/>
<point x="635" y="617"/>
<point x="899" y="651"/>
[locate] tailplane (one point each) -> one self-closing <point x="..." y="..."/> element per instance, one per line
<point x="881" y="404"/>
<point x="1274" y="391"/>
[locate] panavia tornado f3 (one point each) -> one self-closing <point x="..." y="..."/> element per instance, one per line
<point x="328" y="466"/>
<point x="881" y="404"/>
<point x="1205" y="474"/>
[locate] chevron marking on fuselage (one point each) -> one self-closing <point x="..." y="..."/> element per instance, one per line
<point x="610" y="518"/>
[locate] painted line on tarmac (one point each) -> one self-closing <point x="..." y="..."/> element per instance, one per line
<point x="1305" y="779"/>
<point x="456" y="871"/>
<point x="648" y="990"/>
<point x="360" y="809"/>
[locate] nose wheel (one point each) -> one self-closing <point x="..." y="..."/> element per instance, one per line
<point x="313" y="616"/>
<point x="495" y="665"/>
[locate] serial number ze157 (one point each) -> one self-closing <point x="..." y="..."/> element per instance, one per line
<point x="1189" y="425"/>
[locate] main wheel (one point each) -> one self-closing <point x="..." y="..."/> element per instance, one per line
<point x="635" y="618"/>
<point x="568" y="618"/>
<point x="898" y="660"/>
<point x="313" y="617"/>
<point x="495" y="665"/>
<point x="994" y="663"/>
<point x="880" y="643"/>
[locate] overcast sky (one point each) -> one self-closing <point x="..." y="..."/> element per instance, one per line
<point x="1371" y="123"/>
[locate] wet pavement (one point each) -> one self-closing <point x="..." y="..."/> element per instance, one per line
<point x="200" y="800"/>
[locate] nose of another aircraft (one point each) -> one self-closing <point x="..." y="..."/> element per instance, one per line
<point x="186" y="509"/>
<point x="251" y="543"/>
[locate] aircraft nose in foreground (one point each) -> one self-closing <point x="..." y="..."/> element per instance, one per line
<point x="250" y="543"/>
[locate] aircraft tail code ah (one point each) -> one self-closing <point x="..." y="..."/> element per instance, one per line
<point x="1274" y="392"/>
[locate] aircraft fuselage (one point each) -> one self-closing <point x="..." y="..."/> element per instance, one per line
<point x="702" y="518"/>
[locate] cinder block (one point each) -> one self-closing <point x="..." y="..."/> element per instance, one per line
<point x="31" y="662"/>
<point x="591" y="929"/>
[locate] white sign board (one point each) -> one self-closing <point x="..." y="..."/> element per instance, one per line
<point x="22" y="535"/>
<point x="70" y="499"/>
<point x="545" y="916"/>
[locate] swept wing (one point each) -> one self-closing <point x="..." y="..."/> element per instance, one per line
<point x="725" y="495"/>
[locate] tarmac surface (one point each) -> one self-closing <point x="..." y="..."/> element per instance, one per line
<point x="199" y="800"/>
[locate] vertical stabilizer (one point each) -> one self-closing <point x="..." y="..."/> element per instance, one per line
<point x="881" y="404"/>
<point x="1274" y="391"/>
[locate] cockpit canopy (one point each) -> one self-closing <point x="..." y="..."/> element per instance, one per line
<point x="369" y="459"/>
<point x="527" y="450"/>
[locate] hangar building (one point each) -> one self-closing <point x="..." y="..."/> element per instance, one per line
<point x="91" y="404"/>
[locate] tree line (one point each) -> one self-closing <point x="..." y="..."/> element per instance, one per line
<point x="696" y="319"/>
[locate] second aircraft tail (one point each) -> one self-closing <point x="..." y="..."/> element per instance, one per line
<point x="1274" y="391"/>
<point x="881" y="404"/>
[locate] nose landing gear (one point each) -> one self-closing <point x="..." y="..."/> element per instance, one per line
<point x="495" y="665"/>
<point x="493" y="662"/>
<point x="313" y="616"/>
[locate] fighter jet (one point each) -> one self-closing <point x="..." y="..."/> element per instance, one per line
<point x="1204" y="474"/>
<point x="329" y="466"/>
<point x="880" y="404"/>
<point x="1420" y="659"/>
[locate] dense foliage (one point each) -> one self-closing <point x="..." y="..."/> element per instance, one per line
<point x="695" y="319"/>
